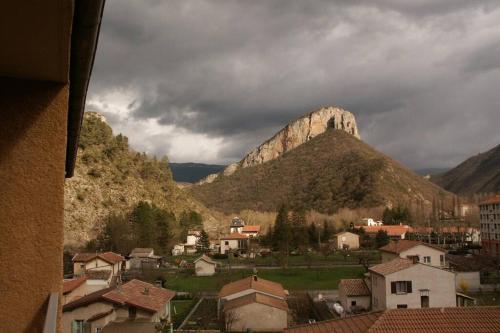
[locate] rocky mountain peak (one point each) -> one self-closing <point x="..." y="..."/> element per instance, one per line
<point x="293" y="135"/>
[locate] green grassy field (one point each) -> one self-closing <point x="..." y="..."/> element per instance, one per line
<point x="292" y="279"/>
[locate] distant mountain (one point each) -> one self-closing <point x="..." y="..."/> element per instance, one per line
<point x="430" y="171"/>
<point x="193" y="172"/>
<point x="480" y="173"/>
<point x="332" y="170"/>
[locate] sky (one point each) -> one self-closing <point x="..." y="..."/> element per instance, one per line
<point x="206" y="81"/>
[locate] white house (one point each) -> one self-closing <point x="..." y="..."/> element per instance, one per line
<point x="193" y="236"/>
<point x="354" y="295"/>
<point x="204" y="266"/>
<point x="251" y="230"/>
<point x="368" y="221"/>
<point x="425" y="253"/>
<point x="406" y="283"/>
<point x="233" y="242"/>
<point x="346" y="240"/>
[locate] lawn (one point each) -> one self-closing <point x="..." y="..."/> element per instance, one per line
<point x="182" y="308"/>
<point x="292" y="278"/>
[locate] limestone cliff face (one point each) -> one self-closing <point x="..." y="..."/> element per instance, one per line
<point x="293" y="135"/>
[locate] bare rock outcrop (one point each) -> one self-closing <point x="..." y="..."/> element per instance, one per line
<point x="293" y="135"/>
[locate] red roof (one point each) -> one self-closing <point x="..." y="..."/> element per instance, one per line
<point x="354" y="287"/>
<point x="133" y="293"/>
<point x="109" y="257"/>
<point x="72" y="284"/>
<point x="404" y="245"/>
<point x="392" y="230"/>
<point x="255" y="283"/>
<point x="395" y="265"/>
<point x="251" y="228"/>
<point x="491" y="200"/>
<point x="429" y="320"/>
<point x="234" y="236"/>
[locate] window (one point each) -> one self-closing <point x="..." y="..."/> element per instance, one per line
<point x="401" y="287"/>
<point x="132" y="312"/>
<point x="77" y="326"/>
<point x="427" y="259"/>
<point x="226" y="243"/>
<point x="402" y="306"/>
<point x="441" y="259"/>
<point x="353" y="303"/>
<point x="98" y="329"/>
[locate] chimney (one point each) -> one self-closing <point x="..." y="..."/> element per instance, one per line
<point x="146" y="291"/>
<point x="255" y="278"/>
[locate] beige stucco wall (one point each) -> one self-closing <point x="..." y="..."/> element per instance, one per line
<point x="84" y="313"/>
<point x="95" y="265"/>
<point x="86" y="288"/>
<point x="422" y="251"/>
<point x="346" y="301"/>
<point x="259" y="317"/>
<point x="378" y="289"/>
<point x="233" y="244"/>
<point x="349" y="239"/>
<point x="439" y="282"/>
<point x="33" y="122"/>
<point x="203" y="268"/>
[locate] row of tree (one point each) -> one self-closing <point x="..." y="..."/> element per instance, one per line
<point x="147" y="225"/>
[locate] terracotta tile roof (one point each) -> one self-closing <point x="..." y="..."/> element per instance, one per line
<point x="354" y="287"/>
<point x="234" y="236"/>
<point x="109" y="257"/>
<point x="98" y="274"/>
<point x="255" y="283"/>
<point x="431" y="320"/>
<point x="354" y="324"/>
<point x="251" y="228"/>
<point x="256" y="298"/>
<point x="206" y="259"/>
<point x="492" y="200"/>
<point x="404" y="245"/>
<point x="392" y="230"/>
<point x="133" y="293"/>
<point x="72" y="284"/>
<point x="439" y="320"/>
<point x="395" y="265"/>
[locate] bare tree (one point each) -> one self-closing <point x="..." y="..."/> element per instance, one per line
<point x="229" y="317"/>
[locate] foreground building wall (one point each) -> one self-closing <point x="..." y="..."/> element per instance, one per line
<point x="33" y="128"/>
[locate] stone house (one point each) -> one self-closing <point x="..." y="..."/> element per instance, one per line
<point x="354" y="295"/>
<point x="234" y="242"/>
<point x="204" y="266"/>
<point x="83" y="262"/>
<point x="125" y="304"/>
<point x="346" y="240"/>
<point x="406" y="283"/>
<point x="425" y="253"/>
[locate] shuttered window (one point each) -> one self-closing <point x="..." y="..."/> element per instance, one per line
<point x="401" y="287"/>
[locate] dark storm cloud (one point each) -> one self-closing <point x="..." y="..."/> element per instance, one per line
<point x="420" y="76"/>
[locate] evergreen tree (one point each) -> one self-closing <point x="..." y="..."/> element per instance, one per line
<point x="203" y="244"/>
<point x="312" y="232"/>
<point x="327" y="232"/>
<point x="282" y="231"/>
<point x="381" y="238"/>
<point x="299" y="231"/>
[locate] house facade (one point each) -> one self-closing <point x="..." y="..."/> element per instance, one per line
<point x="354" y="295"/>
<point x="83" y="262"/>
<point x="489" y="218"/>
<point x="251" y="231"/>
<point x="405" y="283"/>
<point x="424" y="253"/>
<point x="144" y="258"/>
<point x="132" y="301"/>
<point x="346" y="240"/>
<point x="234" y="242"/>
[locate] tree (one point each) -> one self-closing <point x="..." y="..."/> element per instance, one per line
<point x="298" y="226"/>
<point x="282" y="231"/>
<point x="312" y="232"/>
<point x="203" y="244"/>
<point x="381" y="238"/>
<point x="327" y="232"/>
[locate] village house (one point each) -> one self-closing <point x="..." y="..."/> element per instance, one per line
<point x="346" y="240"/>
<point x="425" y="253"/>
<point x="125" y="304"/>
<point x="245" y="300"/>
<point x="204" y="266"/>
<point x="406" y="283"/>
<point x="83" y="262"/>
<point x="432" y="320"/>
<point x="251" y="231"/>
<point x="395" y="232"/>
<point x="144" y="258"/>
<point x="354" y="295"/>
<point x="234" y="242"/>
<point x="489" y="218"/>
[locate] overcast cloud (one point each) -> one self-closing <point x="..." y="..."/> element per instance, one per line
<point x="206" y="81"/>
